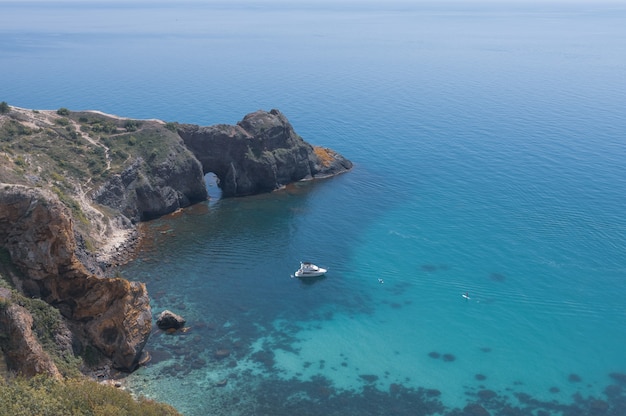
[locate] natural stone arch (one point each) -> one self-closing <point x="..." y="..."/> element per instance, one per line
<point x="259" y="154"/>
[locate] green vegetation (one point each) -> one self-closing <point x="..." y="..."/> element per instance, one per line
<point x="82" y="147"/>
<point x="75" y="153"/>
<point x="62" y="121"/>
<point x="47" y="320"/>
<point x="76" y="397"/>
<point x="71" y="203"/>
<point x="20" y="161"/>
<point x="132" y="125"/>
<point x="71" y="154"/>
<point x="13" y="129"/>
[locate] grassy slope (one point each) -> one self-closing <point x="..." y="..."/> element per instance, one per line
<point x="74" y="153"/>
<point x="44" y="396"/>
<point x="71" y="153"/>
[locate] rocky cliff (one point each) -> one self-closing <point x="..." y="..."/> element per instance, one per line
<point x="151" y="187"/>
<point x="22" y="350"/>
<point x="259" y="154"/>
<point x="73" y="186"/>
<point x="113" y="313"/>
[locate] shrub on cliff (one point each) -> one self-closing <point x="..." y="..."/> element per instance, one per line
<point x="4" y="107"/>
<point x="45" y="396"/>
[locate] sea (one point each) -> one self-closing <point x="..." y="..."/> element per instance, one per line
<point x="489" y="148"/>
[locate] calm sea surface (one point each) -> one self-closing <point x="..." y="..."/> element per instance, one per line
<point x="489" y="143"/>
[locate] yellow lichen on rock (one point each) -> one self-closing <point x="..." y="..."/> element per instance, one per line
<point x="325" y="155"/>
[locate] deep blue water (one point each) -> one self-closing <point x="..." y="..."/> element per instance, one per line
<point x="489" y="141"/>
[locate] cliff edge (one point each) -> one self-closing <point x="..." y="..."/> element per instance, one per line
<point x="73" y="186"/>
<point x="111" y="314"/>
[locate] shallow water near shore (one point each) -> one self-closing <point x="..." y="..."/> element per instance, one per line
<point x="488" y="142"/>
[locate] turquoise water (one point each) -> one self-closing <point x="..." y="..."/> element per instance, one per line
<point x="488" y="142"/>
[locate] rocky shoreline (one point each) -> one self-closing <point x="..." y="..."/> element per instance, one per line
<point x="75" y="188"/>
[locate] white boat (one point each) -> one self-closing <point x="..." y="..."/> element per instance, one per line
<point x="309" y="270"/>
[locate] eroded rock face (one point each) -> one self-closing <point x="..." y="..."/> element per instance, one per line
<point x="260" y="154"/>
<point x="168" y="319"/>
<point x="37" y="231"/>
<point x="143" y="191"/>
<point x="23" y="353"/>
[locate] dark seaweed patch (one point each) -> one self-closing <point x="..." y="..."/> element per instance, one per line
<point x="619" y="377"/>
<point x="370" y="378"/>
<point x="474" y="409"/>
<point x="497" y="277"/>
<point x="486" y="394"/>
<point x="448" y="357"/>
<point x="574" y="378"/>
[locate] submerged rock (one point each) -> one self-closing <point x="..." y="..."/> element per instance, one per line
<point x="221" y="353"/>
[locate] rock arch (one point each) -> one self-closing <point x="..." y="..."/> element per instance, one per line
<point x="259" y="154"/>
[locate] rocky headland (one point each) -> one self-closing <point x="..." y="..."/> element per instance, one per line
<point x="73" y="188"/>
<point x="261" y="153"/>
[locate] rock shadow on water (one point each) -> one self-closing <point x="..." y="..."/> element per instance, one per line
<point x="160" y="355"/>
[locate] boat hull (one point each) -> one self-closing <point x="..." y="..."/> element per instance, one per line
<point x="305" y="274"/>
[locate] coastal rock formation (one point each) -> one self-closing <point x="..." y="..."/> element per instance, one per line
<point x="73" y="186"/>
<point x="147" y="190"/>
<point x="114" y="314"/>
<point x="22" y="351"/>
<point x="168" y="319"/>
<point x="260" y="154"/>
